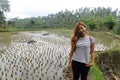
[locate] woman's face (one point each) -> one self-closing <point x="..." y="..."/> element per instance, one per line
<point x="82" y="31"/>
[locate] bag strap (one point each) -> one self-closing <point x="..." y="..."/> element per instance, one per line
<point x="90" y="39"/>
<point x="90" y="42"/>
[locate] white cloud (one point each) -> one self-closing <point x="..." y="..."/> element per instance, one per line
<point x="34" y="8"/>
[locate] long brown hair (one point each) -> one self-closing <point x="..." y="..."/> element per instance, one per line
<point x="75" y="35"/>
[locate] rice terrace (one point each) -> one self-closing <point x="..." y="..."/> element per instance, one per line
<point x="35" y="42"/>
<point x="38" y="55"/>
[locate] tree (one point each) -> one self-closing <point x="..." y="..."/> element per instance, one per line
<point x="4" y="7"/>
<point x="110" y="22"/>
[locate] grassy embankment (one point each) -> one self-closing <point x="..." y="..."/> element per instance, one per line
<point x="29" y="29"/>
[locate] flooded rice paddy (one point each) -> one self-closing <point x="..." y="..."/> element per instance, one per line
<point x="35" y="55"/>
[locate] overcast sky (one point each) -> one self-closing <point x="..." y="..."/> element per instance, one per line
<point x="34" y="8"/>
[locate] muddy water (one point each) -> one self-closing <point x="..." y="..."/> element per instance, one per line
<point x="34" y="56"/>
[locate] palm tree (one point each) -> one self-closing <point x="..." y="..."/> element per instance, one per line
<point x="4" y="7"/>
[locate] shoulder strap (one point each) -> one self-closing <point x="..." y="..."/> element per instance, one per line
<point x="90" y="40"/>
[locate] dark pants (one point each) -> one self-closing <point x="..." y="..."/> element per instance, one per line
<point x="79" y="69"/>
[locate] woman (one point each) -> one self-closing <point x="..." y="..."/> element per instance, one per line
<point x="81" y="55"/>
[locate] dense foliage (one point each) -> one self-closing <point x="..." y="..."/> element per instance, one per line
<point x="96" y="18"/>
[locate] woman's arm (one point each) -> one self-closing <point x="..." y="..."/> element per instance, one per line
<point x="70" y="58"/>
<point x="92" y="55"/>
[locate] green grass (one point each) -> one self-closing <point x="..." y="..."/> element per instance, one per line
<point x="95" y="73"/>
<point x="5" y="38"/>
<point x="31" y="29"/>
<point x="66" y="33"/>
<point x="11" y="30"/>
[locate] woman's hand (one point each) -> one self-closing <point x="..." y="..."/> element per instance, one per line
<point x="90" y="64"/>
<point x="70" y="64"/>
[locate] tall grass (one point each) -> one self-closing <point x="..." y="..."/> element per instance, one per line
<point x="95" y="73"/>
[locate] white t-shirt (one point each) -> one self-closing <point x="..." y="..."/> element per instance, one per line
<point x="82" y="52"/>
